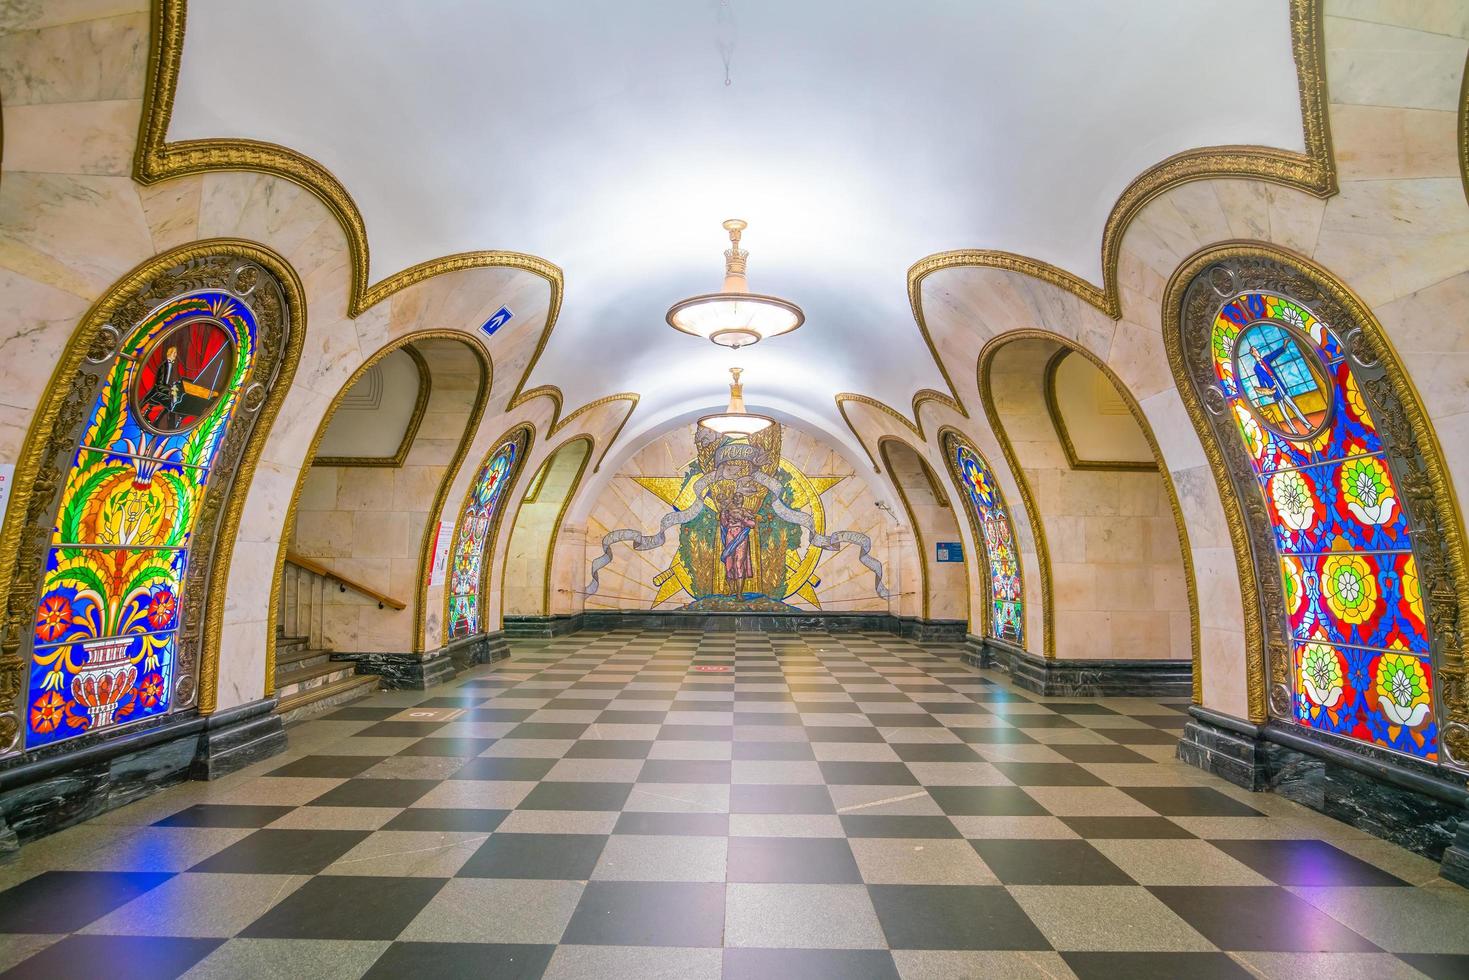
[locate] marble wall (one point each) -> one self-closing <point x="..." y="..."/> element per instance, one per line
<point x="530" y="545"/>
<point x="850" y="504"/>
<point x="941" y="587"/>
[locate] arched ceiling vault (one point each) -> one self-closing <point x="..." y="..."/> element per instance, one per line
<point x="868" y="144"/>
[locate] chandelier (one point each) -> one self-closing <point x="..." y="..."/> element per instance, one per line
<point x="735" y="421"/>
<point x="734" y="316"/>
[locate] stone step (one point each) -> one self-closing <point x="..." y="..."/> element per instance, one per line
<point x="315" y="700"/>
<point x="283" y="643"/>
<point x="295" y="658"/>
<point x="291" y="682"/>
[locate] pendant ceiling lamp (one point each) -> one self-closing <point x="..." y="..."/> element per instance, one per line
<point x="734" y="316"/>
<point x="735" y="421"/>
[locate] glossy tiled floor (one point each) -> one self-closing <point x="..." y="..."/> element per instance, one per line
<point x="680" y="805"/>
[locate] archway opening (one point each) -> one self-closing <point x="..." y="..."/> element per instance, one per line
<point x="938" y="589"/>
<point x="526" y="591"/>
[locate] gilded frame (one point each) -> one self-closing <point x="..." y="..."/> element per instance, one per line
<point x="1438" y="522"/>
<point x="948" y="436"/>
<point x="410" y="432"/>
<point x="426" y="545"/>
<point x="41" y="464"/>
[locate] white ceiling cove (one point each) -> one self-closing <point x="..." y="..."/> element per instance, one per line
<point x="855" y="137"/>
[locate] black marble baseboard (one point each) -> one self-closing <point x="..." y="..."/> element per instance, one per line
<point x="933" y="630"/>
<point x="404" y="671"/>
<point x="482" y="649"/>
<point x="541" y="627"/>
<point x="1094" y="678"/>
<point x="42" y="795"/>
<point x="923" y="630"/>
<point x="1375" y="792"/>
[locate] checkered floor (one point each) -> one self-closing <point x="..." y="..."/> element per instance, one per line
<point x="684" y="805"/>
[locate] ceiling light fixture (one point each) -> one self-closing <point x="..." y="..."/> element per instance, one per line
<point x="734" y="316"/>
<point x="735" y="421"/>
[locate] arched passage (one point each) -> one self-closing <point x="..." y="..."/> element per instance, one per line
<point x="942" y="582"/>
<point x="351" y="582"/>
<point x="526" y="592"/>
<point x="1117" y="584"/>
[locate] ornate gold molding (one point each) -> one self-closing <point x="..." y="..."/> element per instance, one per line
<point x="882" y="450"/>
<point x="32" y="488"/>
<point x="156" y="159"/>
<point x="1058" y="422"/>
<point x="1464" y="129"/>
<point x="949" y="434"/>
<point x="1313" y="172"/>
<point x="1437" y="517"/>
<point x="420" y="405"/>
<point x="471" y="425"/>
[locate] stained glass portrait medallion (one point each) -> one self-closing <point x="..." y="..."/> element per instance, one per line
<point x="182" y="376"/>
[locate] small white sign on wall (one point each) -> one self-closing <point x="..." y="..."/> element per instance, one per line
<point x="7" y="477"/>
<point x="443" y="541"/>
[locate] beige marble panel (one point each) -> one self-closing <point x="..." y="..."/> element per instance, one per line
<point x="1383" y="64"/>
<point x="84" y="61"/>
<point x="72" y="138"/>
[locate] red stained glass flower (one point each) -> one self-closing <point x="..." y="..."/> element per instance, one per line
<point x="47" y="712"/>
<point x="52" y="618"/>
<point x="150" y="691"/>
<point x="160" y="609"/>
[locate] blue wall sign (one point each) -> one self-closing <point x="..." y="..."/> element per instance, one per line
<point x="497" y="320"/>
<point x="950" y="550"/>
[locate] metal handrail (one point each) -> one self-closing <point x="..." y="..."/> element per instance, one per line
<point x="343" y="582"/>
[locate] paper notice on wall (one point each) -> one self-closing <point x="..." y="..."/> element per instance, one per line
<point x="443" y="541"/>
<point x="7" y="477"/>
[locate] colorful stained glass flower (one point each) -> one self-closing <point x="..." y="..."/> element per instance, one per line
<point x="47" y="712"/>
<point x="161" y="607"/>
<point x="1323" y="675"/>
<point x="1368" y="489"/>
<point x="1350" y="587"/>
<point x="1294" y="499"/>
<point x="1295" y="584"/>
<point x="53" y="617"/>
<point x="150" y="690"/>
<point x="1355" y="400"/>
<point x="1403" y="689"/>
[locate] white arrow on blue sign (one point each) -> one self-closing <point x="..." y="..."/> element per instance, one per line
<point x="497" y="320"/>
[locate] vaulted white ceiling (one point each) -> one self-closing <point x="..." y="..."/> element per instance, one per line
<point x="855" y="137"/>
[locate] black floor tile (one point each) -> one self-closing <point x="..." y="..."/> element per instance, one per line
<point x="986" y="801"/>
<point x="1049" y="862"/>
<point x="809" y="964"/>
<point x="1155" y="966"/>
<point x="935" y="752"/>
<point x="510" y="768"/>
<point x="609" y="748"/>
<point x="1189" y="801"/>
<point x="620" y="913"/>
<point x="993" y="736"/>
<point x="1020" y="720"/>
<point x="953" y="917"/>
<point x="773" y="752"/>
<point x="462" y="961"/>
<point x="1265" y="919"/>
<point x="463" y="748"/>
<point x="842" y="733"/>
<point x="446" y="819"/>
<point x="361" y="713"/>
<point x="1438" y="966"/>
<point x="346" y="907"/>
<point x="570" y="857"/>
<point x="65" y="901"/>
<point x="767" y="718"/>
<point x="684" y="771"/>
<point x="115" y="957"/>
<point x="490" y="715"/>
<point x="1047" y="774"/>
<point x="913" y="719"/>
<point x="792" y="860"/>
<point x="682" y="824"/>
<point x="779" y="799"/>
<point x="1126" y="828"/>
<point x="577" y="796"/>
<point x="1078" y="708"/>
<point x="1138" y="736"/>
<point x="225" y="815"/>
<point x="376" y="792"/>
<point x="1306" y="862"/>
<point x="282" y="852"/>
<point x="887" y="825"/>
<point x="615" y="717"/>
<point x="867" y="774"/>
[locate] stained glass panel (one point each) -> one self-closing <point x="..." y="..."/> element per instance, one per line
<point x="991" y="522"/>
<point x="1353" y="605"/>
<point x="476" y="528"/>
<point x="104" y="649"/>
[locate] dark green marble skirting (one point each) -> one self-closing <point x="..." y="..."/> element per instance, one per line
<point x="1083" y="678"/>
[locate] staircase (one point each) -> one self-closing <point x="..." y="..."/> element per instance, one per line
<point x="308" y="681"/>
